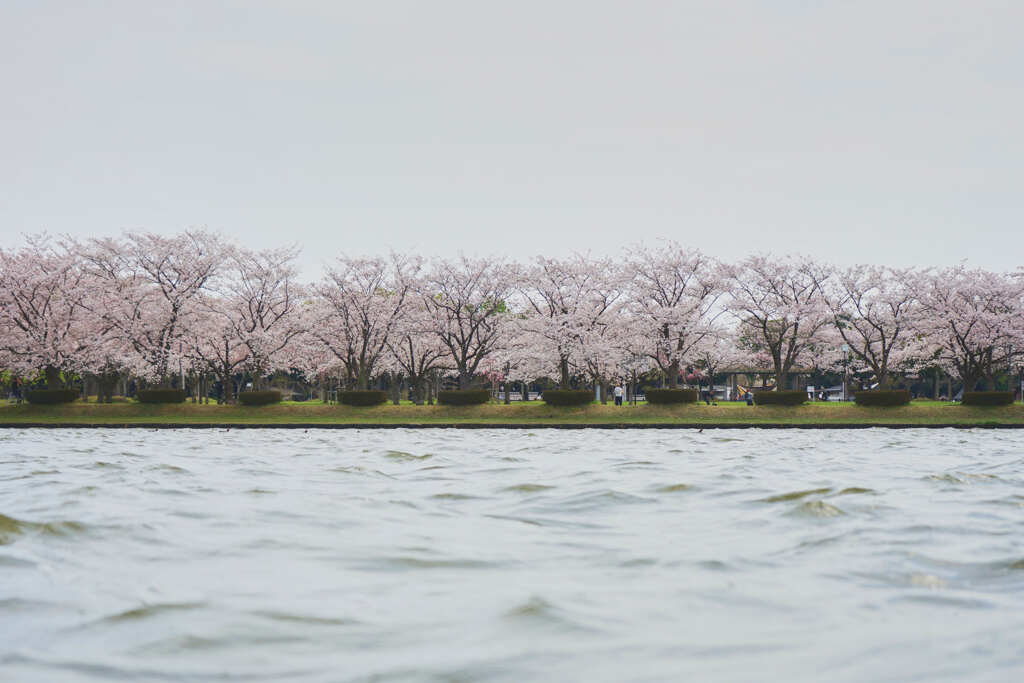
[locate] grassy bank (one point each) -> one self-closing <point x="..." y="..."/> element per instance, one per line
<point x="530" y="413"/>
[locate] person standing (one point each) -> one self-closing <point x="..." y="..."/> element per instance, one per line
<point x="618" y="394"/>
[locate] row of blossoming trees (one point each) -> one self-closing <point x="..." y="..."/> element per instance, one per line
<point x="195" y="307"/>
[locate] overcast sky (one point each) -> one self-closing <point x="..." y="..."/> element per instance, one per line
<point x="890" y="132"/>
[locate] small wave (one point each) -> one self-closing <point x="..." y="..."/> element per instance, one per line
<point x="639" y="562"/>
<point x="539" y="611"/>
<point x="259" y="492"/>
<point x="101" y="464"/>
<point x="527" y="488"/>
<point x="170" y="468"/>
<point x="675" y="488"/>
<point x="10" y="528"/>
<point x="794" y="495"/>
<point x="941" y="599"/>
<point x="598" y="499"/>
<point x="306" y="619"/>
<point x="8" y="561"/>
<point x="26" y="605"/>
<point x="854" y="490"/>
<point x="816" y="508"/>
<point x="402" y="455"/>
<point x="961" y="477"/>
<point x="714" y="565"/>
<point x="1011" y="565"/>
<point x="405" y="562"/>
<point x="147" y="611"/>
<point x="523" y="520"/>
<point x="534" y="607"/>
<point x="454" y="496"/>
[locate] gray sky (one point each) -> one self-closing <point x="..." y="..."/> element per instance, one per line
<point x="888" y="132"/>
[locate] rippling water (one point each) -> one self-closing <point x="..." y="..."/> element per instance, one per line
<point x="437" y="555"/>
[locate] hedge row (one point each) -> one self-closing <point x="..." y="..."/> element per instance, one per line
<point x="987" y="398"/>
<point x="882" y="397"/>
<point x="362" y="398"/>
<point x="50" y="396"/>
<point x="466" y="397"/>
<point x="259" y="398"/>
<point x="160" y="396"/>
<point x="666" y="396"/>
<point x="567" y="397"/>
<point x="780" y="398"/>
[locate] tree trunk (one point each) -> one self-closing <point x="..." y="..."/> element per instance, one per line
<point x="673" y="374"/>
<point x="52" y="377"/>
<point x="563" y="366"/>
<point x="227" y="388"/>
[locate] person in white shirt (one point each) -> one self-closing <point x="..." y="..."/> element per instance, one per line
<point x="618" y="394"/>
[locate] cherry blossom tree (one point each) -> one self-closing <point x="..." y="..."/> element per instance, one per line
<point x="567" y="304"/>
<point x="876" y="313"/>
<point x="414" y="347"/>
<point x="43" y="323"/>
<point x="468" y="302"/>
<point x="150" y="286"/>
<point x="360" y="305"/>
<point x="717" y="352"/>
<point x="973" y="321"/>
<point x="673" y="300"/>
<point x="214" y="345"/>
<point x="779" y="309"/>
<point x="259" y="304"/>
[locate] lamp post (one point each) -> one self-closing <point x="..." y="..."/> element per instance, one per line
<point x="846" y="350"/>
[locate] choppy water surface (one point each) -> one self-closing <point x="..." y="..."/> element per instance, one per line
<point x="444" y="555"/>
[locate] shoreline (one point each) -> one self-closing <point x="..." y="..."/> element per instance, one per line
<point x="512" y="425"/>
<point x="497" y="416"/>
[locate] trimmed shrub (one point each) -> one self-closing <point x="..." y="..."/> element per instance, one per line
<point x="882" y="397"/>
<point x="466" y="397"/>
<point x="568" y="397"/>
<point x="362" y="398"/>
<point x="50" y="396"/>
<point x="160" y="396"/>
<point x="987" y="398"/>
<point x="259" y="398"/>
<point x="666" y="396"/>
<point x="780" y="398"/>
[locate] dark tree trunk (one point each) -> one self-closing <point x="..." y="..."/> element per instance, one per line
<point x="673" y="375"/>
<point x="52" y="377"/>
<point x="227" y="388"/>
